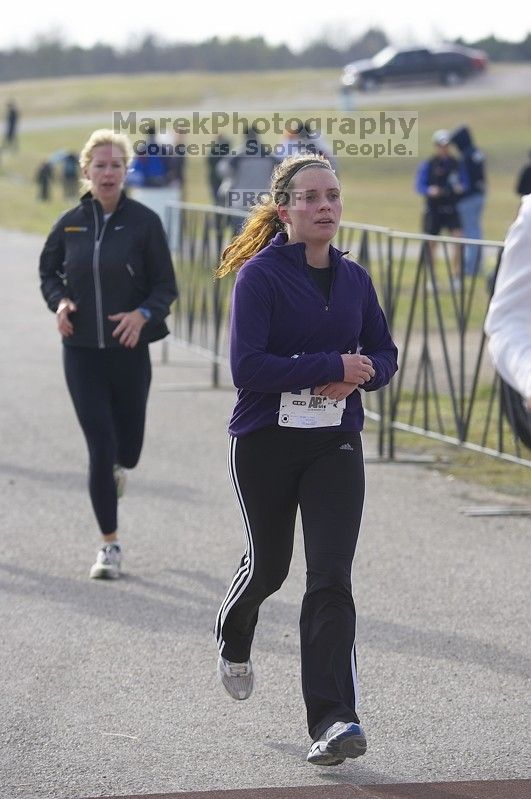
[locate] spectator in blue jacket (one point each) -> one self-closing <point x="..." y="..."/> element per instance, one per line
<point x="307" y="335"/>
<point x="442" y="181"/>
<point x="471" y="204"/>
<point x="150" y="169"/>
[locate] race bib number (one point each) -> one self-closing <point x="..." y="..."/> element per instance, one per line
<point x="304" y="409"/>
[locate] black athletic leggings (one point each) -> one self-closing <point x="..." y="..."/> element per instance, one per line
<point x="274" y="471"/>
<point x="109" y="388"/>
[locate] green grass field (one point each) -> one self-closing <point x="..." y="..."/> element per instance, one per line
<point x="378" y="192"/>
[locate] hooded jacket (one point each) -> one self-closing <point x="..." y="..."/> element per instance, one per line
<point x="286" y="337"/>
<point x="473" y="160"/>
<point x="108" y="266"/>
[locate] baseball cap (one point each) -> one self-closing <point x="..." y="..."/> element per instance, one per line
<point x="441" y="137"/>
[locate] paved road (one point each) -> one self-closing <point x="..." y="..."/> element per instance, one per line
<point x="109" y="688"/>
<point x="501" y="81"/>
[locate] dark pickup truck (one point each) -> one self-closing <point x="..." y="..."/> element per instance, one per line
<point x="449" y="64"/>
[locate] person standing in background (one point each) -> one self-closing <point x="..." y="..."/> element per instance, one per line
<point x="43" y="178"/>
<point x="177" y="165"/>
<point x="11" y="129"/>
<point x="219" y="149"/>
<point x="150" y="168"/>
<point x="246" y="175"/>
<point x="523" y="183"/>
<point x="471" y="203"/>
<point x="305" y="139"/>
<point x="442" y="180"/>
<point x="70" y="175"/>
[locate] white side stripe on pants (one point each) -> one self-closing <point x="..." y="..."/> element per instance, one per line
<point x="355" y="680"/>
<point x="245" y="571"/>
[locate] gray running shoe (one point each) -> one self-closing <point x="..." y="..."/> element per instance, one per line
<point x="108" y="563"/>
<point x="120" y="478"/>
<point x="237" y="678"/>
<point x="341" y="740"/>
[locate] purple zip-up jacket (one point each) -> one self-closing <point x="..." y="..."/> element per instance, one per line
<point x="278" y="312"/>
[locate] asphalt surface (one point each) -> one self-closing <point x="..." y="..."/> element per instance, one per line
<point x="109" y="688"/>
<point x="482" y="789"/>
<point x="506" y="80"/>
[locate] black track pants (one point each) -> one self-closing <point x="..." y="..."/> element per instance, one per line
<point x="274" y="471"/>
<point x="109" y="388"/>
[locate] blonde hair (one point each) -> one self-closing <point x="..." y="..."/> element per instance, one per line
<point x="263" y="221"/>
<point x="98" y="138"/>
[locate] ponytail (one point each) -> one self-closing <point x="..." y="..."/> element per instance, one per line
<point x="260" y="227"/>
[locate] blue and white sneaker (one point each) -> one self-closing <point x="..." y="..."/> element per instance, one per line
<point x="341" y="740"/>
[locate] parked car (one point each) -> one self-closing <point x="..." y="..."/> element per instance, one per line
<point x="449" y="64"/>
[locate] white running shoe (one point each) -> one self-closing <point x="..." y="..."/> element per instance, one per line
<point x="108" y="563"/>
<point x="120" y="478"/>
<point x="237" y="678"/>
<point x="341" y="740"/>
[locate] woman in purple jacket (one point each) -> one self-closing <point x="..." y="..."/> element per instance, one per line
<point x="307" y="333"/>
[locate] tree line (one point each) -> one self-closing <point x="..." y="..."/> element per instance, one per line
<point x="49" y="56"/>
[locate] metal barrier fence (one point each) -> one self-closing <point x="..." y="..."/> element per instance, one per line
<point x="446" y="388"/>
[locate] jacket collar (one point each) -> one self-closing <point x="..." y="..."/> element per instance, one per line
<point x="296" y="253"/>
<point x="87" y="200"/>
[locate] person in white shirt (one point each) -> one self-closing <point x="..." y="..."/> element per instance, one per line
<point x="508" y="321"/>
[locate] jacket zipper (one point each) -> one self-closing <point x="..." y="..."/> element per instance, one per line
<point x="334" y="271"/>
<point x="96" y="275"/>
<point x="328" y="304"/>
